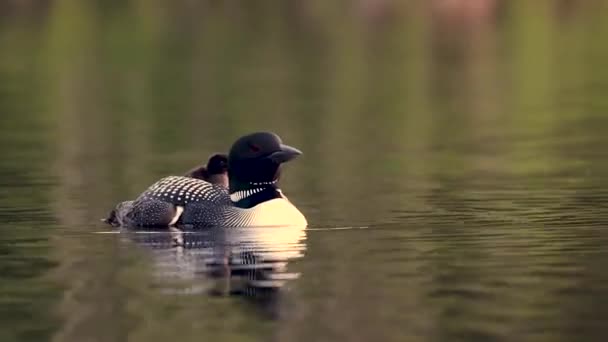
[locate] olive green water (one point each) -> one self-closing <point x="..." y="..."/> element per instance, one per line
<point x="455" y="173"/>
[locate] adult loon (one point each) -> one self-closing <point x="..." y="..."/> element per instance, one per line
<point x="215" y="172"/>
<point x="253" y="198"/>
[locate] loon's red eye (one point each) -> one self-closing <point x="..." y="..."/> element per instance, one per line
<point x="254" y="147"/>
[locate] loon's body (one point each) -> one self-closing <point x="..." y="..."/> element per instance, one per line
<point x="253" y="198"/>
<point x="148" y="211"/>
<point x="272" y="212"/>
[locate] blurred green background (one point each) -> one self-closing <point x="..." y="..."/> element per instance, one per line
<point x="469" y="135"/>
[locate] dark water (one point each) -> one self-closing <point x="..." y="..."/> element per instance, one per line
<point x="455" y="174"/>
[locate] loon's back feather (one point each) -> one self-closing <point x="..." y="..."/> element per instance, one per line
<point x="181" y="191"/>
<point x="158" y="205"/>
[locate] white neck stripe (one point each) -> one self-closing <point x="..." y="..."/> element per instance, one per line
<point x="239" y="195"/>
<point x="263" y="183"/>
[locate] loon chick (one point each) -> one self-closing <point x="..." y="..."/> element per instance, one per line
<point x="252" y="199"/>
<point x="215" y="172"/>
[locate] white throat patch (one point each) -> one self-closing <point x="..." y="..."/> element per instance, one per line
<point x="239" y="195"/>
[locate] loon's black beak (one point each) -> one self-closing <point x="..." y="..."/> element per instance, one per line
<point x="285" y="154"/>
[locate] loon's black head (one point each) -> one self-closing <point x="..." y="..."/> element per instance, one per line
<point x="256" y="159"/>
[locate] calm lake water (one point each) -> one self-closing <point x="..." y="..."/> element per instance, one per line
<point x="455" y="169"/>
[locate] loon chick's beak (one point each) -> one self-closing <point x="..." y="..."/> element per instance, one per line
<point x="285" y="154"/>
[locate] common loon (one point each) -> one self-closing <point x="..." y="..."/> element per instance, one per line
<point x="253" y="197"/>
<point x="215" y="172"/>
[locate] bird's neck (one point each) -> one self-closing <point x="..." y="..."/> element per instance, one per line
<point x="250" y="194"/>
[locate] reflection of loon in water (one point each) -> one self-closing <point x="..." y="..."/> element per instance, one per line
<point x="248" y="262"/>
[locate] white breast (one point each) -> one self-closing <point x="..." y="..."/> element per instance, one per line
<point x="276" y="212"/>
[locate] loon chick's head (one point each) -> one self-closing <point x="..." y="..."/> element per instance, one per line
<point x="255" y="160"/>
<point x="215" y="172"/>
